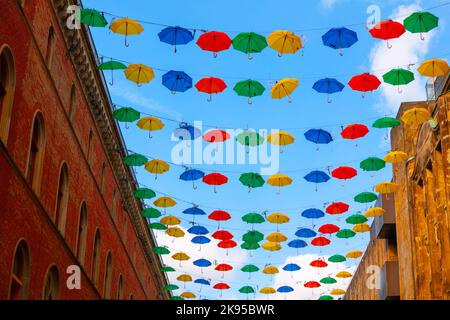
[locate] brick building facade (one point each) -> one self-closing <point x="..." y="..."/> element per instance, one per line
<point x="65" y="195"/>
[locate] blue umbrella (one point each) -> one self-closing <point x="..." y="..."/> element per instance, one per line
<point x="285" y="289"/>
<point x="194" y="211"/>
<point x="198" y="230"/>
<point x="202" y="282"/>
<point x="340" y="38"/>
<point x="328" y="86"/>
<point x="318" y="136"/>
<point x="202" y="263"/>
<point x="200" y="240"/>
<point x="187" y="132"/>
<point x="317" y="177"/>
<point x="177" y="81"/>
<point x="297" y="244"/>
<point x="291" y="267"/>
<point x="175" y="36"/>
<point x="192" y="175"/>
<point x="313" y="214"/>
<point x="305" y="233"/>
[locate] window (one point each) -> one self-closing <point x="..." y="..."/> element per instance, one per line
<point x="102" y="179"/>
<point x="51" y="285"/>
<point x="21" y="3"/>
<point x="36" y="153"/>
<point x="96" y="257"/>
<point x="62" y="199"/>
<point x="20" y="275"/>
<point x="82" y="234"/>
<point x="72" y="103"/>
<point x="114" y="205"/>
<point x="51" y="41"/>
<point x="124" y="227"/>
<point x="7" y="86"/>
<point x="108" y="277"/>
<point x="120" y="288"/>
<point x="90" y="146"/>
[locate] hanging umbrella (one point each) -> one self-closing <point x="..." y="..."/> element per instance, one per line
<point x="313" y="214"/>
<point x="387" y="30"/>
<point x="139" y="73"/>
<point x="250" y="246"/>
<point x="214" y="41"/>
<point x="356" y="219"/>
<point x="135" y="160"/>
<point x="278" y="218"/>
<point x="345" y="234"/>
<point x="374" y="212"/>
<point x="247" y="290"/>
<point x="187" y="132"/>
<point x="355" y="254"/>
<point x="177" y="81"/>
<point x="361" y="228"/>
<point x="305" y="233"/>
<point x="337" y="258"/>
<point x="364" y="82"/>
<point x="328" y="229"/>
<point x="386" y="187"/>
<point x="276" y="237"/>
<point x="291" y="267"/>
<point x="320" y="242"/>
<point x="285" y="289"/>
<point x="337" y="292"/>
<point x="219" y="215"/>
<point x="396" y="157"/>
<point x="202" y="282"/>
<point x="326" y="297"/>
<point x="194" y="211"/>
<point x="170" y="220"/>
<point x="92" y="18"/>
<point x="126" y="27"/>
<point x="150" y="213"/>
<point x="202" y="263"/>
<point x="267" y="290"/>
<point x="284" y="88"/>
<point x="198" y="230"/>
<point x="249" y="268"/>
<point x="184" y="278"/>
<point x="251" y="180"/>
<point x="157" y="166"/>
<point x="222" y="235"/>
<point x="372" y="164"/>
<point x="312" y="284"/>
<point x="337" y="208"/>
<point x="175" y="36"/>
<point x="250" y="138"/>
<point x="160" y="250"/>
<point x="433" y="68"/>
<point x="297" y="244"/>
<point x="211" y="86"/>
<point x="318" y="264"/>
<point x="249" y="42"/>
<point x="215" y="179"/>
<point x="253" y="236"/>
<point x="150" y="124"/>
<point x="164" y="202"/>
<point x="280" y="138"/>
<point x="328" y="280"/>
<point x="365" y="197"/>
<point x="126" y="115"/>
<point x="284" y="41"/>
<point x="227" y="244"/>
<point x="328" y="86"/>
<point x="343" y="274"/>
<point x="192" y="175"/>
<point x="270" y="270"/>
<point x="318" y="136"/>
<point x="171" y="287"/>
<point x="157" y="226"/>
<point x="398" y="77"/>
<point x="421" y="22"/>
<point x="386" y="122"/>
<point x="167" y="269"/>
<point x="112" y="65"/>
<point x="249" y="88"/>
<point x="175" y="232"/>
<point x="216" y="136"/>
<point x="340" y="38"/>
<point x="176" y="298"/>
<point x="317" y="177"/>
<point x="144" y="193"/>
<point x="221" y="286"/>
<point x="344" y="173"/>
<point x="253" y="218"/>
<point x="188" y="295"/>
<point x="354" y="131"/>
<point x="415" y="116"/>
<point x="271" y="246"/>
<point x="180" y="256"/>
<point x="223" y="267"/>
<point x="279" y="180"/>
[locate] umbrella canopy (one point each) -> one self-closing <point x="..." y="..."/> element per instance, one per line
<point x="157" y="166"/>
<point x="328" y="86"/>
<point x="250" y="245"/>
<point x="386" y="122"/>
<point x="340" y="38"/>
<point x="270" y="270"/>
<point x="215" y="179"/>
<point x="361" y="228"/>
<point x="250" y="138"/>
<point x="135" y="160"/>
<point x="285" y="289"/>
<point x="387" y="30"/>
<point x="227" y="244"/>
<point x="126" y="27"/>
<point x="313" y="214"/>
<point x="92" y="18"/>
<point x="312" y="284"/>
<point x="271" y="246"/>
<point x="372" y="164"/>
<point x="253" y="236"/>
<point x="276" y="237"/>
<point x="354" y="131"/>
<point x="194" y="211"/>
<point x="203" y="282"/>
<point x="177" y="81"/>
<point x="216" y="136"/>
<point x="253" y="218"/>
<point x="337" y="292"/>
<point x="415" y="116"/>
<point x="247" y="290"/>
<point x="214" y="41"/>
<point x="150" y="213"/>
<point x="280" y="138"/>
<point x="365" y="197"/>
<point x="291" y="267"/>
<point x="356" y="219"/>
<point x="421" y="22"/>
<point x="279" y="180"/>
<point x="175" y="232"/>
<point x="320" y="242"/>
<point x="337" y="258"/>
<point x="112" y="65"/>
<point x="328" y="280"/>
<point x="386" y="187"/>
<point x="297" y="244"/>
<point x="175" y="36"/>
<point x="355" y="254"/>
<point x="398" y="77"/>
<point x="343" y="274"/>
<point x="318" y="136"/>
<point x="364" y="82"/>
<point x="180" y="256"/>
<point x="305" y="233"/>
<point x="249" y="88"/>
<point x="344" y="173"/>
<point x="202" y="263"/>
<point x="326" y="297"/>
<point x="221" y="286"/>
<point x="249" y="42"/>
<point x="396" y="157"/>
<point x="139" y="73"/>
<point x="318" y="264"/>
<point x="284" y="41"/>
<point x="187" y="132"/>
<point x="161" y="250"/>
<point x="433" y="68"/>
<point x="170" y="221"/>
<point x="284" y="88"/>
<point x="345" y="234"/>
<point x="211" y="85"/>
<point x="328" y="228"/>
<point x="317" y="177"/>
<point x="171" y="287"/>
<point x="267" y="290"/>
<point x="337" y="208"/>
<point x="164" y="202"/>
<point x="200" y="240"/>
<point x="188" y="295"/>
<point x="184" y="278"/>
<point x="251" y="180"/>
<point x="374" y="212"/>
<point x="223" y="267"/>
<point x="150" y="124"/>
<point x="192" y="175"/>
<point x="222" y="235"/>
<point x="198" y="230"/>
<point x="157" y="226"/>
<point x="219" y="215"/>
<point x="278" y="218"/>
<point x="167" y="269"/>
<point x="126" y="114"/>
<point x="249" y="268"/>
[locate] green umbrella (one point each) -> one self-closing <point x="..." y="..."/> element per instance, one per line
<point x="249" y="88"/>
<point x="250" y="245"/>
<point x="157" y="226"/>
<point x="176" y="298"/>
<point x="249" y="42"/>
<point x="171" y="287"/>
<point x="135" y="159"/>
<point x="161" y="250"/>
<point x="398" y="77"/>
<point x="151" y="213"/>
<point x="253" y="218"/>
<point x="144" y="193"/>
<point x="326" y="297"/>
<point x="112" y="65"/>
<point x="92" y="18"/>
<point x="126" y="115"/>
<point x="249" y="268"/>
<point x="337" y="258"/>
<point x="251" y="180"/>
<point x="356" y="219"/>
<point x="345" y="234"/>
<point x="250" y="138"/>
<point x="328" y="280"/>
<point x="386" y="122"/>
<point x="421" y="22"/>
<point x="247" y="290"/>
<point x="366" y="197"/>
<point x="372" y="164"/>
<point x="253" y="236"/>
<point x="167" y="269"/>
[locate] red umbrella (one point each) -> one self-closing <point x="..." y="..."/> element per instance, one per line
<point x="215" y="179"/>
<point x="354" y="131"/>
<point x="222" y="235"/>
<point x="387" y="30"/>
<point x="364" y="82"/>
<point x="221" y="286"/>
<point x="318" y="264"/>
<point x="344" y="173"/>
<point x="223" y="267"/>
<point x="328" y="229"/>
<point x="227" y="244"/>
<point x="216" y="136"/>
<point x="320" y="242"/>
<point x="312" y="284"/>
<point x="214" y="41"/>
<point x="337" y="208"/>
<point x="219" y="215"/>
<point x="210" y="85"/>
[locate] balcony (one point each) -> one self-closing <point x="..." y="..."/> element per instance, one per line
<point x="390" y="288"/>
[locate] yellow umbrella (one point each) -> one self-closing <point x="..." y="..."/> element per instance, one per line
<point x="354" y="254"/>
<point x="284" y="88"/>
<point x="175" y="232"/>
<point x="278" y="218"/>
<point x="164" y="202"/>
<point x="188" y="295"/>
<point x="170" y="221"/>
<point x="150" y="124"/>
<point x="180" y="256"/>
<point x="284" y="41"/>
<point x="279" y="180"/>
<point x="157" y="167"/>
<point x="184" y="278"/>
<point x="276" y="237"/>
<point x="415" y="116"/>
<point x="343" y="274"/>
<point x="267" y="290"/>
<point x="361" y="228"/>
<point x="139" y="73"/>
<point x="433" y="68"/>
<point x="396" y="157"/>
<point x="270" y="270"/>
<point x="374" y="212"/>
<point x="337" y="292"/>
<point x="271" y="246"/>
<point x="280" y="138"/>
<point x="127" y="27"/>
<point x="386" y="187"/>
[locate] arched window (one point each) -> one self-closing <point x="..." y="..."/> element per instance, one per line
<point x="90" y="146"/>
<point x="36" y="153"/>
<point x="120" y="288"/>
<point x="62" y="199"/>
<point x="96" y="257"/>
<point x="7" y="86"/>
<point x="20" y="275"/>
<point x="51" y="285"/>
<point x="51" y="41"/>
<point x="114" y="205"/>
<point x="108" y="277"/>
<point x="102" y="178"/>
<point x="82" y="234"/>
<point x="72" y="103"/>
<point x="124" y="227"/>
<point x="21" y="3"/>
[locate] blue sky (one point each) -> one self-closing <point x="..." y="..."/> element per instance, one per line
<point x="227" y="110"/>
